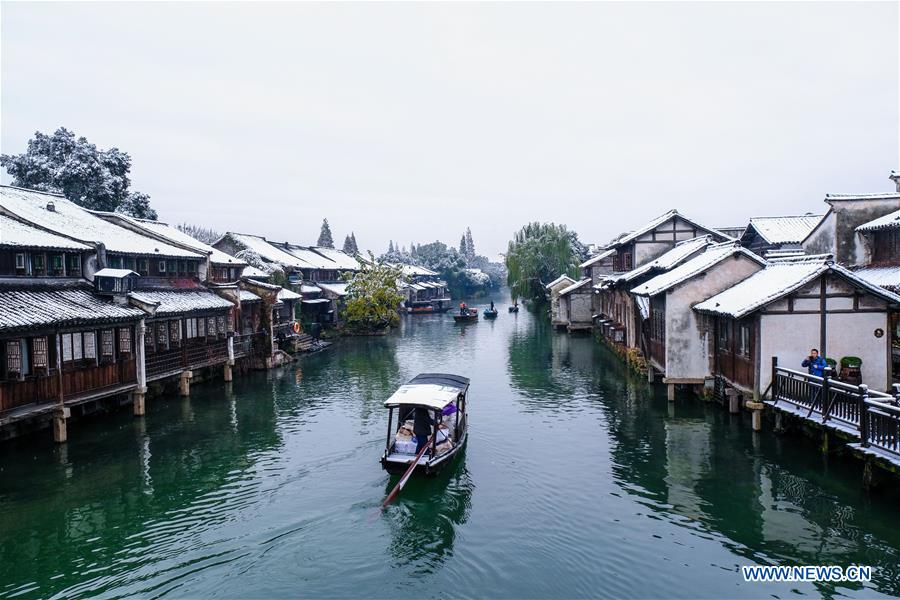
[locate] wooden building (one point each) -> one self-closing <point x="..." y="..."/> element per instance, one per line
<point x="764" y="235"/>
<point x="557" y="319"/>
<point x="575" y="306"/>
<point x="679" y="348"/>
<point x="788" y="308"/>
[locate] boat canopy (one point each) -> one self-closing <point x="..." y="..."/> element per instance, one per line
<point x="434" y="390"/>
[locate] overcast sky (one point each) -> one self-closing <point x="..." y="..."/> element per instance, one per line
<point x="412" y="121"/>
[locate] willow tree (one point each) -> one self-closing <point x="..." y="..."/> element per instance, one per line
<point x="538" y="254"/>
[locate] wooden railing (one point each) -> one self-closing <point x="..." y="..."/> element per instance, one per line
<point x="190" y="355"/>
<point x="248" y="343"/>
<point x="31" y="390"/>
<point x="875" y="416"/>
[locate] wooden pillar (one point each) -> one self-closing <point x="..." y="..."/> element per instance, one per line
<point x="734" y="400"/>
<point x="137" y="398"/>
<point x="60" y="433"/>
<point x="137" y="401"/>
<point x="757" y="408"/>
<point x="184" y="384"/>
<point x="670" y="392"/>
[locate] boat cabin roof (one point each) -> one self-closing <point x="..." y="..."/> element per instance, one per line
<point x="432" y="390"/>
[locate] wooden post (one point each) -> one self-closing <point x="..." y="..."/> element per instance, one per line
<point x="184" y="384"/>
<point x="390" y="423"/>
<point x="826" y="405"/>
<point x="734" y="401"/>
<point x="774" y="377"/>
<point x="863" y="416"/>
<point x="757" y="408"/>
<point x="60" y="432"/>
<point x="670" y="392"/>
<point x="138" y="397"/>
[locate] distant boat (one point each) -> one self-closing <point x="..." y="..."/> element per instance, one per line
<point x="467" y="317"/>
<point x="490" y="314"/>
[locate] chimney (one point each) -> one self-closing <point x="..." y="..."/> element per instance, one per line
<point x="895" y="177"/>
<point x="52" y="207"/>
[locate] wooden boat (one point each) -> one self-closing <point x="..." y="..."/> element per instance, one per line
<point x="468" y="317"/>
<point x="436" y="393"/>
<point x="490" y="314"/>
<point x="418" y="308"/>
<point x="514" y="309"/>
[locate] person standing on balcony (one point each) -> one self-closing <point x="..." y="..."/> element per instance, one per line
<point x="815" y="363"/>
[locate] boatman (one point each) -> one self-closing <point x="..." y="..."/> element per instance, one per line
<point x="422" y="424"/>
<point x="462" y="308"/>
<point x="492" y="306"/>
<point x="815" y="363"/>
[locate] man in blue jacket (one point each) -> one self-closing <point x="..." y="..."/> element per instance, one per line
<point x="815" y="363"/>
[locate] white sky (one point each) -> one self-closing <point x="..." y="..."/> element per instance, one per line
<point x="412" y="121"/>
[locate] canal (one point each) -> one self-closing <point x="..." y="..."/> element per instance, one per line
<point x="579" y="480"/>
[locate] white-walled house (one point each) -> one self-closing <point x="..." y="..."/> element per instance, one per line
<point x="788" y="308"/>
<point x="553" y="289"/>
<point x="575" y="306"/>
<point x="680" y="348"/>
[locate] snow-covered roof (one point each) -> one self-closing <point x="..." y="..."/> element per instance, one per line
<point x="267" y="251"/>
<point x="888" y="221"/>
<point x="67" y="218"/>
<point x="216" y="257"/>
<point x="887" y="277"/>
<point x="415" y="271"/>
<point x="315" y="301"/>
<point x="40" y="306"/>
<point x="558" y="280"/>
<point x="669" y="259"/>
<point x="877" y="196"/>
<point x="253" y="272"/>
<point x="15" y="233"/>
<point x="574" y="286"/>
<point x="307" y="288"/>
<point x="172" y="302"/>
<point x="286" y="294"/>
<point x="306" y="255"/>
<point x="598" y="258"/>
<point x="339" y="289"/>
<point x="653" y="224"/>
<point x="344" y="261"/>
<point x="777" y="280"/>
<point x="248" y="296"/>
<point x="693" y="267"/>
<point x="118" y="273"/>
<point x="784" y="230"/>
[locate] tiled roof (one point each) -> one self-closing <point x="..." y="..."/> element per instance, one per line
<point x="339" y="289"/>
<point x="267" y="251"/>
<point x="675" y="256"/>
<point x="69" y="219"/>
<point x="172" y="302"/>
<point x="57" y="306"/>
<point x="784" y="230"/>
<point x="888" y="221"/>
<point x="286" y="294"/>
<point x="693" y="267"/>
<point x="653" y="224"/>
<point x="887" y="277"/>
<point x="15" y="233"/>
<point x="574" y="287"/>
<point x="597" y="258"/>
<point x="312" y="259"/>
<point x="344" y="261"/>
<point x="248" y="296"/>
<point x="777" y="280"/>
<point x="216" y="257"/>
<point x="558" y="280"/>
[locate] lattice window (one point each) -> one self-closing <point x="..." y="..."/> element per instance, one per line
<point x="201" y="327"/>
<point x="220" y="321"/>
<point x="211" y="326"/>
<point x="39" y="352"/>
<point x="77" y="348"/>
<point x="125" y="340"/>
<point x="175" y="332"/>
<point x="13" y="356"/>
<point x="149" y="337"/>
<point x="107" y="343"/>
<point x="162" y="335"/>
<point x="90" y="345"/>
<point x="67" y="347"/>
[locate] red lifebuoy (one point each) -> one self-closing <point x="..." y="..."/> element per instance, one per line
<point x="296" y="327"/>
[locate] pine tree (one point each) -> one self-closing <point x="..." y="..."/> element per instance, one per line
<point x="470" y="246"/>
<point x="462" y="245"/>
<point x="325" y="239"/>
<point x="390" y="246"/>
<point x="348" y="245"/>
<point x="353" y="240"/>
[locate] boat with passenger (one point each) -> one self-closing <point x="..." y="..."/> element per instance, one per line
<point x="466" y="315"/>
<point x="443" y="398"/>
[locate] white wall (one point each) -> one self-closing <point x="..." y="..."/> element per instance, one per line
<point x="580" y="306"/>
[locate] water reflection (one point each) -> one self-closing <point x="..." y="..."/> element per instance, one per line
<point x="423" y="521"/>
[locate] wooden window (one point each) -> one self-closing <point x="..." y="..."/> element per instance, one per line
<point x="13" y="356"/>
<point x="90" y="345"/>
<point x="115" y="262"/>
<point x="107" y="343"/>
<point x="626" y="259"/>
<point x="220" y="321"/>
<point x="77" y="347"/>
<point x="20" y="261"/>
<point x="39" y="352"/>
<point x="211" y="327"/>
<point x="175" y="332"/>
<point x="73" y="265"/>
<point x="745" y="340"/>
<point x="149" y="337"/>
<point x="201" y="327"/>
<point x="67" y="347"/>
<point x="162" y="267"/>
<point x="162" y="336"/>
<point x="39" y="263"/>
<point x="131" y="264"/>
<point x="56" y="265"/>
<point x="143" y="267"/>
<point x="190" y="326"/>
<point x="125" y="340"/>
<point x="192" y="266"/>
<point x="182" y="267"/>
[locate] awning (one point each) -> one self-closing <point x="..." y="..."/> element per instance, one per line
<point x="428" y="394"/>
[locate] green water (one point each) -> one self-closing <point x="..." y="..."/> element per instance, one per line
<point x="578" y="481"/>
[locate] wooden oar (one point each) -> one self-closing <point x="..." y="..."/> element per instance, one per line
<point x="406" y="476"/>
